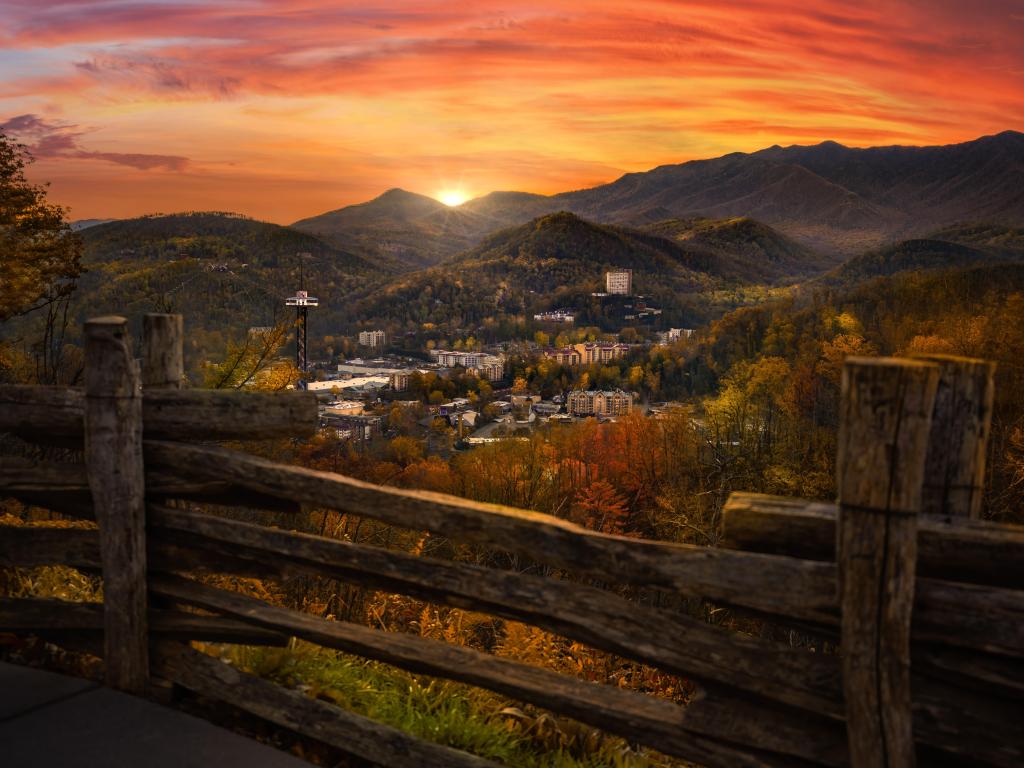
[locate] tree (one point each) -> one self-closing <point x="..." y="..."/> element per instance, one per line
<point x="602" y="508"/>
<point x="41" y="256"/>
<point x="405" y="451"/>
<point x="253" y="363"/>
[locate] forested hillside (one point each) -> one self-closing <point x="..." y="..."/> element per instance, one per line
<point x="225" y="273"/>
<point x="559" y="261"/>
<point x="771" y="373"/>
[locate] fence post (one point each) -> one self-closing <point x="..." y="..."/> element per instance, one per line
<point x="954" y="476"/>
<point x="163" y="364"/>
<point x="885" y="418"/>
<point x="113" y="455"/>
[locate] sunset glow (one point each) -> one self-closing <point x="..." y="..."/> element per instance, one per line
<point x="452" y="197"/>
<point x="285" y="108"/>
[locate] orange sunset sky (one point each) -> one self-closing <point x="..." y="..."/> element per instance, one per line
<point x="286" y="108"/>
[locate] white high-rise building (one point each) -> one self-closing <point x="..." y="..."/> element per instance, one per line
<point x="372" y="338"/>
<point x="619" y="281"/>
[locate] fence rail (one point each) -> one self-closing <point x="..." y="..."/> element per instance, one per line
<point x="928" y="609"/>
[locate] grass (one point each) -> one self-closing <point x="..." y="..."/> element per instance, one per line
<point x="443" y="712"/>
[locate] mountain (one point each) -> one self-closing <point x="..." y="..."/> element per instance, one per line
<point x="955" y="247"/>
<point x="209" y="236"/>
<point x="833" y="198"/>
<point x="399" y="228"/>
<point x="742" y="248"/>
<point x="829" y="195"/>
<point x="558" y="260"/>
<point x="223" y="272"/>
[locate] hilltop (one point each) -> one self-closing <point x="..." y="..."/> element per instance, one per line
<point x="742" y="248"/>
<point x="399" y="229"/>
<point x="955" y="247"/>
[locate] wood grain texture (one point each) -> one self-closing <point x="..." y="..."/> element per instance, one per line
<point x="884" y="423"/>
<point x="951" y="548"/>
<point x="163" y="359"/>
<point x="660" y="724"/>
<point x="47" y="413"/>
<point x="597" y="617"/>
<point x="113" y="458"/>
<point x="64" y="487"/>
<point x="954" y="481"/>
<point x="57" y="618"/>
<point x="753" y="581"/>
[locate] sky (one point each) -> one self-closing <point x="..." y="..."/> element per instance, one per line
<point x="281" y="109"/>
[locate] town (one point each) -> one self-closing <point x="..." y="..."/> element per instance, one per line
<point x="481" y="395"/>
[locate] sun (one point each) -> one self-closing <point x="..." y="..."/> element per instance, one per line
<point x="452" y="197"/>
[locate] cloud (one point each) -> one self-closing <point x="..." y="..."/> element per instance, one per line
<point x="292" y="90"/>
<point x="50" y="139"/>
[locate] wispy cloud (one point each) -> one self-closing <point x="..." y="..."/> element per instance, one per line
<point x="50" y="139"/>
<point x="284" y="88"/>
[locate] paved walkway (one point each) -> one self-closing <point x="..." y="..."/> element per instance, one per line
<point x="54" y="721"/>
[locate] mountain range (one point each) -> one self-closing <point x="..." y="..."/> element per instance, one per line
<point x="838" y="200"/>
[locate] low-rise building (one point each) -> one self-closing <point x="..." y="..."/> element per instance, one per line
<point x="490" y="367"/>
<point x="592" y="402"/>
<point x="556" y="316"/>
<point x="361" y="427"/>
<point x="601" y="352"/>
<point x="674" y="334"/>
<point x="344" y="408"/>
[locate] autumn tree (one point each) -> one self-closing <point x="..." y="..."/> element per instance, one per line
<point x="254" y="363"/>
<point x="601" y="507"/>
<point x="41" y="255"/>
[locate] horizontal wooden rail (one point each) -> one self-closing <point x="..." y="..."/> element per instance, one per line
<point x="945" y="717"/>
<point x="61" y="618"/>
<point x="28" y="546"/>
<point x="332" y="725"/>
<point x="741" y="578"/>
<point x="65" y="488"/>
<point x="659" y="724"/>
<point x="951" y="548"/>
<point x="773" y="585"/>
<point x="597" y="617"/>
<point x="44" y="413"/>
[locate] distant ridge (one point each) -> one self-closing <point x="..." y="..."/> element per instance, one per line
<point x="834" y="198"/>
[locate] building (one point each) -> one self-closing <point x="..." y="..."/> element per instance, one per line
<point x="344" y="408"/>
<point x="361" y="427"/>
<point x="590" y="402"/>
<point x="399" y="380"/>
<point x="372" y="338"/>
<point x="490" y="367"/>
<point x="674" y="334"/>
<point x="600" y="352"/>
<point x="587" y="354"/>
<point x="556" y="316"/>
<point x="619" y="282"/>
<point x="565" y="356"/>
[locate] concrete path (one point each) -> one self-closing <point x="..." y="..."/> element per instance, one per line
<point x="54" y="721"/>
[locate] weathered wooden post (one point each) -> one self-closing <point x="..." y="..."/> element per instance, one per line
<point x="954" y="475"/>
<point x="113" y="455"/>
<point x="163" y="362"/>
<point x="885" y="419"/>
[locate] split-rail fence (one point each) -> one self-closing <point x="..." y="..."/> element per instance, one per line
<point x="924" y="601"/>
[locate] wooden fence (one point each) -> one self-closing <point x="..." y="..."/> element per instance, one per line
<point x="925" y="600"/>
